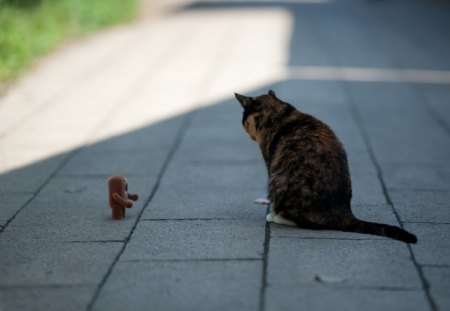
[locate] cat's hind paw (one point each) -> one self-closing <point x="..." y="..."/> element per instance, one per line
<point x="278" y="219"/>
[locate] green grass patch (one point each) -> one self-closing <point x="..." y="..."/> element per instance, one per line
<point x="31" y="28"/>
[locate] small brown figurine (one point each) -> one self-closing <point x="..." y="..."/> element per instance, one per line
<point x="118" y="196"/>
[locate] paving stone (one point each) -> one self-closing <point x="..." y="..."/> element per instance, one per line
<point x="299" y="91"/>
<point x="411" y="144"/>
<point x="31" y="177"/>
<point x="227" y="176"/>
<point x="45" y="298"/>
<point x="433" y="247"/>
<point x="126" y="162"/>
<point x="192" y="285"/>
<point x="421" y="177"/>
<point x="366" y="189"/>
<point x="418" y="205"/>
<point x="439" y="280"/>
<point x="217" y="137"/>
<point x="155" y="136"/>
<point x="223" y="190"/>
<point x="374" y="213"/>
<point x="220" y="152"/>
<point x="332" y="298"/>
<point x="437" y="96"/>
<point x="411" y="149"/>
<point x="380" y="263"/>
<point x="76" y="209"/>
<point x="11" y="203"/>
<point x="45" y="263"/>
<point x="196" y="239"/>
<point x="177" y="202"/>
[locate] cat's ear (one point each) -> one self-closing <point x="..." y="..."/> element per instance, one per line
<point x="245" y="101"/>
<point x="272" y="93"/>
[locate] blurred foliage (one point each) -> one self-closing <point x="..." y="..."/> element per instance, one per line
<point x="30" y="28"/>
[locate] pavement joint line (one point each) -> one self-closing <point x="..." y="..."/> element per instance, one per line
<point x="65" y="160"/>
<point x="359" y="122"/>
<point x="356" y="116"/>
<point x="180" y="135"/>
<point x="266" y="249"/>
<point x="177" y="141"/>
<point x="194" y="260"/>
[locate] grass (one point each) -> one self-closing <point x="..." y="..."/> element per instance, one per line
<point x="31" y="28"/>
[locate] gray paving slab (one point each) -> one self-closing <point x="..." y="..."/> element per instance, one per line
<point x="301" y="92"/>
<point x="11" y="203"/>
<point x="366" y="188"/>
<point x="72" y="298"/>
<point x="177" y="202"/>
<point x="148" y="138"/>
<point x="226" y="176"/>
<point x="420" y="205"/>
<point x="352" y="263"/>
<point x="30" y="178"/>
<point x="196" y="239"/>
<point x="194" y="285"/>
<point x="116" y="163"/>
<point x="343" y="299"/>
<point x="217" y="136"/>
<point x="28" y="263"/>
<point x="411" y="144"/>
<point x="421" y="177"/>
<point x="437" y="97"/>
<point x="439" y="281"/>
<point x="76" y="209"/>
<point x="411" y="149"/>
<point x="376" y="213"/>
<point x="434" y="245"/>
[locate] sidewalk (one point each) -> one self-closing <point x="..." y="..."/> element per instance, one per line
<point x="153" y="101"/>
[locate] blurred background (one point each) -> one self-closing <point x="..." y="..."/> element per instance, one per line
<point x="180" y="55"/>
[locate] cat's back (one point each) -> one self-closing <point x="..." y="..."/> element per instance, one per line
<point x="308" y="158"/>
<point x="303" y="139"/>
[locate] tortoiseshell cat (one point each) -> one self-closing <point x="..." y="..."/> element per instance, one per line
<point x="309" y="179"/>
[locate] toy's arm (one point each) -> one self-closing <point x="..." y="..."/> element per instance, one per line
<point x="121" y="201"/>
<point x="133" y="196"/>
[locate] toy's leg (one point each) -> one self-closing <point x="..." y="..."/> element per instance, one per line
<point x="118" y="212"/>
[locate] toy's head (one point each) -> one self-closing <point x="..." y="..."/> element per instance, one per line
<point x="117" y="184"/>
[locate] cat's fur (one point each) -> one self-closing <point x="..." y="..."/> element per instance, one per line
<point x="309" y="179"/>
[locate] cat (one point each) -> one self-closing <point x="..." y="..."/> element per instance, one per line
<point x="309" y="179"/>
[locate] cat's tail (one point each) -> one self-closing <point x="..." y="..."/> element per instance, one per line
<point x="393" y="232"/>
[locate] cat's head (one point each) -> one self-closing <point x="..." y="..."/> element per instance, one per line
<point x="260" y="112"/>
